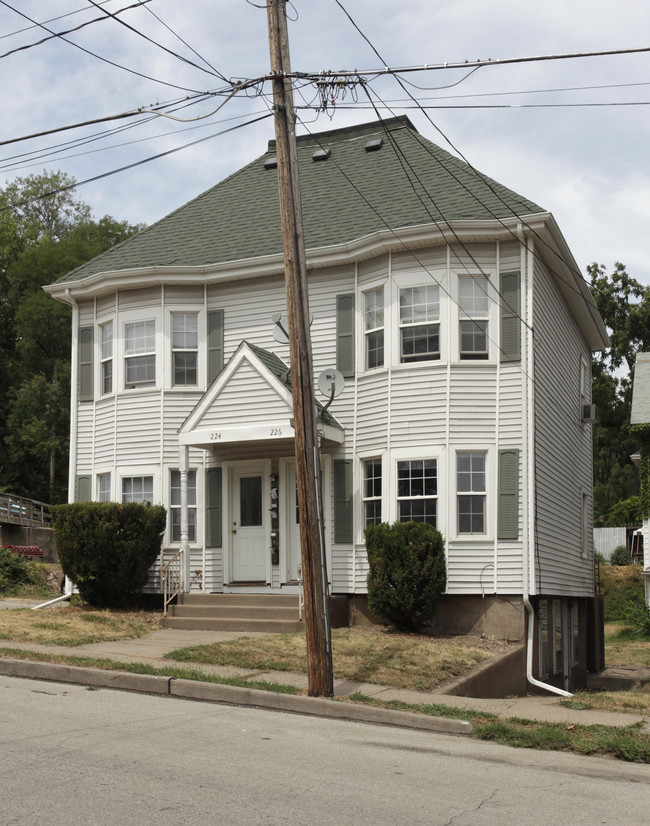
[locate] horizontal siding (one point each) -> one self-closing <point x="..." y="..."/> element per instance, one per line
<point x="419" y="406"/>
<point x="106" y="305"/>
<point x="86" y="313"/>
<point x="562" y="445"/>
<point x="177" y="407"/>
<point x="472" y="404"/>
<point x="85" y="438"/>
<point x="511" y="389"/>
<point x="189" y="294"/>
<point x="145" y="299"/>
<point x="372" y="421"/>
<point x="373" y="270"/>
<point x="470" y="568"/>
<point x="139" y="432"/>
<point x="413" y="260"/>
<point x="105" y="432"/>
<point x="247" y="398"/>
<point x="473" y="258"/>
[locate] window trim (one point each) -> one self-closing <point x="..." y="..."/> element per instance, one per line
<point x="416" y="498"/>
<point x="137" y="475"/>
<point x="472" y="492"/>
<point x="366" y="332"/>
<point x="174" y="350"/>
<point x="365" y="500"/>
<point x="106" y="360"/>
<point x="103" y="477"/>
<point x="148" y="385"/>
<point x="190" y="507"/>
<point x="402" y="326"/>
<point x="493" y="310"/>
<point x="491" y="497"/>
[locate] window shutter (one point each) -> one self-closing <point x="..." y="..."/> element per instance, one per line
<point x="85" y="364"/>
<point x="510" y="316"/>
<point x="345" y="334"/>
<point x="215" y="344"/>
<point x="343" y="500"/>
<point x="213" y="538"/>
<point x="508" y="516"/>
<point x="82" y="491"/>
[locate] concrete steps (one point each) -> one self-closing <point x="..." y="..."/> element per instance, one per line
<point x="270" y="613"/>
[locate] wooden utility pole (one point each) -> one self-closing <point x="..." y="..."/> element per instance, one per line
<point x="317" y="624"/>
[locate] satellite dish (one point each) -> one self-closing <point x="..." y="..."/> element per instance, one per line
<point x="279" y="332"/>
<point x="331" y="383"/>
<point x="276" y="317"/>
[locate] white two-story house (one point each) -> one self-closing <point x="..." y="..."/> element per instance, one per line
<point x="458" y="318"/>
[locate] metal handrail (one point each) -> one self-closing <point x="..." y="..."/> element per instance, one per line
<point x="301" y="595"/>
<point x="172" y="574"/>
<point x="29" y="513"/>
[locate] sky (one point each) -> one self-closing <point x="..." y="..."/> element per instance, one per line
<point x="527" y="125"/>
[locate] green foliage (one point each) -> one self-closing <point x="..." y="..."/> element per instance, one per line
<point x="15" y="571"/>
<point x="620" y="556"/>
<point x="107" y="548"/>
<point x="625" y="513"/>
<point x="407" y="572"/>
<point x="620" y="585"/>
<point x="636" y="614"/>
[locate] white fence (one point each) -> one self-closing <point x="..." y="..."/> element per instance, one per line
<point x="606" y="539"/>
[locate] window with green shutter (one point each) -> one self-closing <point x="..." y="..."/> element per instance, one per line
<point x="343" y="524"/>
<point x="215" y="344"/>
<point x="510" y="316"/>
<point x="345" y="334"/>
<point x="83" y="489"/>
<point x="85" y="364"/>
<point x="213" y="527"/>
<point x="508" y="495"/>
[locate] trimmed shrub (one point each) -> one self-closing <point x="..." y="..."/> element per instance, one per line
<point x="620" y="556"/>
<point x="107" y="548"/>
<point x="620" y="584"/>
<point x="407" y="572"/>
<point x="637" y="615"/>
<point x="16" y="571"/>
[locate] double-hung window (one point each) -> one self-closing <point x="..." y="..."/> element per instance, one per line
<point x="104" y="487"/>
<point x="473" y="305"/>
<point x="373" y="310"/>
<point x="419" y="321"/>
<point x="175" y="505"/>
<point x="137" y="489"/>
<point x="470" y="486"/>
<point x="140" y="353"/>
<point x="371" y="492"/>
<point x="107" y="357"/>
<point x="417" y="490"/>
<point x="185" y="344"/>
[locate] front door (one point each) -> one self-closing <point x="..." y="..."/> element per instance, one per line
<point x="293" y="532"/>
<point x="247" y="526"/>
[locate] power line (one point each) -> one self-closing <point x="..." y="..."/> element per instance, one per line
<point x="53" y="19"/>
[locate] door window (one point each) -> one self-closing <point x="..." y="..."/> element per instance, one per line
<point x="250" y="501"/>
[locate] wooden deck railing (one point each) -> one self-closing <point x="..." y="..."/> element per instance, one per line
<point x="28" y="513"/>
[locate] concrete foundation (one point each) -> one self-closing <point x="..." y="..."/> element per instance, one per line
<point x="502" y="618"/>
<point x="43" y="537"/>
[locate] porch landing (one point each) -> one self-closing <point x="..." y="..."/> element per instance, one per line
<point x="271" y="613"/>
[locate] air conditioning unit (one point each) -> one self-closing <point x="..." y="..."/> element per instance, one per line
<point x="589" y="413"/>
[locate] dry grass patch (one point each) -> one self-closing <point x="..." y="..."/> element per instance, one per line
<point x="70" y="625"/>
<point x="371" y="655"/>
<point x="622" y="649"/>
<point x="632" y="702"/>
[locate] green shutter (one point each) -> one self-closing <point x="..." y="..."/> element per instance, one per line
<point x="85" y="364"/>
<point x="345" y="334"/>
<point x="82" y="489"/>
<point x="510" y="316"/>
<point x="213" y="534"/>
<point x="343" y="500"/>
<point x="508" y="515"/>
<point x="215" y="344"/>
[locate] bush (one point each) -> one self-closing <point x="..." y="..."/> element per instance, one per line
<point x="107" y="548"/>
<point x="407" y="572"/>
<point x="637" y="615"/>
<point x="619" y="586"/>
<point x="620" y="556"/>
<point x="15" y="571"/>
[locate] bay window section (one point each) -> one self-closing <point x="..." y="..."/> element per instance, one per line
<point x="104" y="487"/>
<point x="371" y="492"/>
<point x="107" y="357"/>
<point x="137" y="489"/>
<point x="470" y="486"/>
<point x="373" y="309"/>
<point x="140" y="353"/>
<point x="185" y="344"/>
<point x="175" y="505"/>
<point x="417" y="490"/>
<point x="474" y="308"/>
<point x="419" y="320"/>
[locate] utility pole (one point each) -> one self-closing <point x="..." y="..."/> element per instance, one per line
<point x="317" y="624"/>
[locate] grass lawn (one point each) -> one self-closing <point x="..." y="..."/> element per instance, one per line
<point x="371" y="655"/>
<point x="71" y="625"/>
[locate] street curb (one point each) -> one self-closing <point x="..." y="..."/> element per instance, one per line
<point x="231" y="695"/>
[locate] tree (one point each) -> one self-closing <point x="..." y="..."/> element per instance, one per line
<point x="45" y="232"/>
<point x="624" y="304"/>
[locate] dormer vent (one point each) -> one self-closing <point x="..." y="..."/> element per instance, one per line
<point x="374" y="145"/>
<point x="321" y="154"/>
<point x="271" y="163"/>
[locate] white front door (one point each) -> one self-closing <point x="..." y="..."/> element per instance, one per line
<point x="293" y="529"/>
<point x="248" y="534"/>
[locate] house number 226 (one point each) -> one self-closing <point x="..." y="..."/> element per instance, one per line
<point x="276" y="431"/>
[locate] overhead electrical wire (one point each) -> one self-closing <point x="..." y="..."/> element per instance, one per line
<point x="58" y="17"/>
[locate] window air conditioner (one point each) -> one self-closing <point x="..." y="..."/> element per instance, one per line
<point x="588" y="412"/>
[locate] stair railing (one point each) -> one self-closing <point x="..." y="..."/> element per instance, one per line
<point x="301" y="595"/>
<point x="172" y="574"/>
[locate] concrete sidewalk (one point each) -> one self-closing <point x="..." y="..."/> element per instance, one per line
<point x="151" y="650"/>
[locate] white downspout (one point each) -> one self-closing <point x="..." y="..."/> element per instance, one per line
<point x="529" y="464"/>
<point x="183" y="463"/>
<point x="74" y="378"/>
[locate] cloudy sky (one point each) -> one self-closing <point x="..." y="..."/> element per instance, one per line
<point x="530" y="125"/>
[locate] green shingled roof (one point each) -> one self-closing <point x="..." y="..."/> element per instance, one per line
<point x="407" y="182"/>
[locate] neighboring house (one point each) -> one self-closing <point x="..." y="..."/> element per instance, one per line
<point x="464" y="330"/>
<point x="640" y="418"/>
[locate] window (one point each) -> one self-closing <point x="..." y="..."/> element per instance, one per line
<point x="575" y="632"/>
<point x="474" y="307"/>
<point x="140" y="353"/>
<point x="470" y="485"/>
<point x="104" y="487"/>
<point x="373" y="309"/>
<point x="371" y="492"/>
<point x="175" y="505"/>
<point x="417" y="490"/>
<point x="137" y="489"/>
<point x="543" y="649"/>
<point x="419" y="320"/>
<point x="107" y="357"/>
<point x="185" y="345"/>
